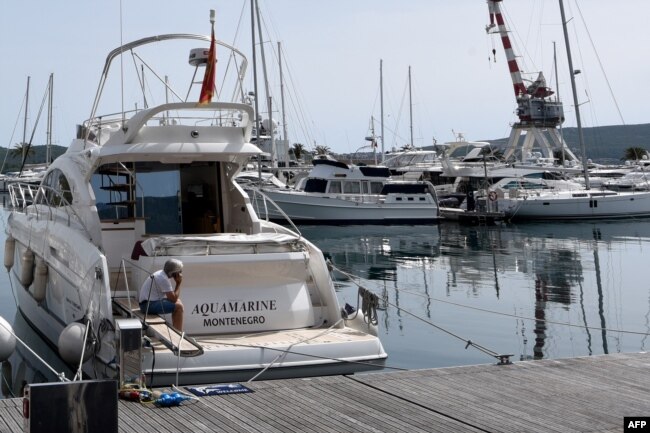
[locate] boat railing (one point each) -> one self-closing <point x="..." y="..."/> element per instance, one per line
<point x="220" y="114"/>
<point x="259" y="195"/>
<point x="41" y="201"/>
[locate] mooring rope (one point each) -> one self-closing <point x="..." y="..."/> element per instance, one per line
<point x="502" y="358"/>
<point x="499" y="313"/>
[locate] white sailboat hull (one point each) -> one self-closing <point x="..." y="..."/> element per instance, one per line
<point x="576" y="205"/>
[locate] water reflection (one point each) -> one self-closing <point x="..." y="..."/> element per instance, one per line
<point x="538" y="277"/>
<point x="23" y="367"/>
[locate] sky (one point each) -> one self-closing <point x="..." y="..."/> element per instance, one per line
<point x="331" y="55"/>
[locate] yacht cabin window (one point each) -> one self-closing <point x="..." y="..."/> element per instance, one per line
<point x="376" y="187"/>
<point x="335" y="187"/>
<point x="351" y="187"/>
<point x="171" y="198"/>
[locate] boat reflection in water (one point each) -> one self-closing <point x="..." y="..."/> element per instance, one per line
<point x="535" y="290"/>
<point x="23" y="367"/>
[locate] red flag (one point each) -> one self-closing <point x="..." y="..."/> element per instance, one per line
<point x="207" y="89"/>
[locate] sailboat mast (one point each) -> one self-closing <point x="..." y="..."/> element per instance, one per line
<point x="269" y="105"/>
<point x="24" y="149"/>
<point x="410" y="108"/>
<point x="49" y="121"/>
<point x="284" y="113"/>
<point x="557" y="96"/>
<point x="257" y="109"/>
<point x="381" y="103"/>
<point x="575" y="98"/>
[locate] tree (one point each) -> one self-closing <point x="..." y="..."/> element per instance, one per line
<point x="21" y="149"/>
<point x="297" y="149"/>
<point x="561" y="155"/>
<point x="634" y="153"/>
<point x="322" y="150"/>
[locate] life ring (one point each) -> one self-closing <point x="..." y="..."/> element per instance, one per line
<point x="492" y="195"/>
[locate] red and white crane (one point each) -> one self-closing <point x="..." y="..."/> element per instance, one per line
<point x="539" y="115"/>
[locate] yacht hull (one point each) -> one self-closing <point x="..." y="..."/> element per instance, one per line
<point x="576" y="205"/>
<point x="329" y="209"/>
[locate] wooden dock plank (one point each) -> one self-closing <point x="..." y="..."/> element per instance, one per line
<point x="590" y="394"/>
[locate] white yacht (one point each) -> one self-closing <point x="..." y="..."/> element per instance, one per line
<point x="137" y="188"/>
<point x="559" y="203"/>
<point x="338" y="193"/>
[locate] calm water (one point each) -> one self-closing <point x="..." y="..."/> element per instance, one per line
<point x="536" y="290"/>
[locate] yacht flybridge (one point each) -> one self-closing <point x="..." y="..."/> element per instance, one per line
<point x="139" y="187"/>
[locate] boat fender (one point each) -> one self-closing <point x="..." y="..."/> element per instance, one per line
<point x="7" y="340"/>
<point x="70" y="343"/>
<point x="27" y="268"/>
<point x="10" y="246"/>
<point x="40" y="280"/>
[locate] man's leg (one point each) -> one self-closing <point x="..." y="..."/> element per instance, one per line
<point x="177" y="316"/>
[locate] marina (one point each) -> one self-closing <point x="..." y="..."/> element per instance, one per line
<point x="468" y="286"/>
<point x="592" y="394"/>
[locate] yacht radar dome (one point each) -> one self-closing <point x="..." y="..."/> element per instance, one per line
<point x="198" y="56"/>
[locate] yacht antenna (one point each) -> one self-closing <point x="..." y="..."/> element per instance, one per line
<point x="575" y="98"/>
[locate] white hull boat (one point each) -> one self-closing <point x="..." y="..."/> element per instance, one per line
<point x="136" y="189"/>
<point x="338" y="193"/>
<point x="571" y="205"/>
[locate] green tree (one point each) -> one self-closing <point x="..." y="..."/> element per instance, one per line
<point x="297" y="149"/>
<point x="322" y="150"/>
<point x="558" y="155"/>
<point x="21" y="149"/>
<point x="634" y="153"/>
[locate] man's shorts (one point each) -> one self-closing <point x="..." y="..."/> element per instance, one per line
<point x="161" y="306"/>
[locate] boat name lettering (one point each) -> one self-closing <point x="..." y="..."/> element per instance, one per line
<point x="230" y="321"/>
<point x="234" y="307"/>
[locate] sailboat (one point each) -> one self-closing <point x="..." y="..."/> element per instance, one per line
<point x="567" y="203"/>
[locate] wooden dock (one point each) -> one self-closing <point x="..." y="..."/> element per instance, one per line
<point x="590" y="394"/>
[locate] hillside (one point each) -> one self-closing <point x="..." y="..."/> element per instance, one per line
<point x="603" y="143"/>
<point x="12" y="163"/>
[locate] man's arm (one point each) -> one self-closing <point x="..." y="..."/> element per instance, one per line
<point x="176" y="294"/>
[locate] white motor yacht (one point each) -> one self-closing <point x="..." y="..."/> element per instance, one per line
<point x="338" y="193"/>
<point x="137" y="188"/>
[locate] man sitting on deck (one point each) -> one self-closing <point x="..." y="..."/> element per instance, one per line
<point x="157" y="295"/>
